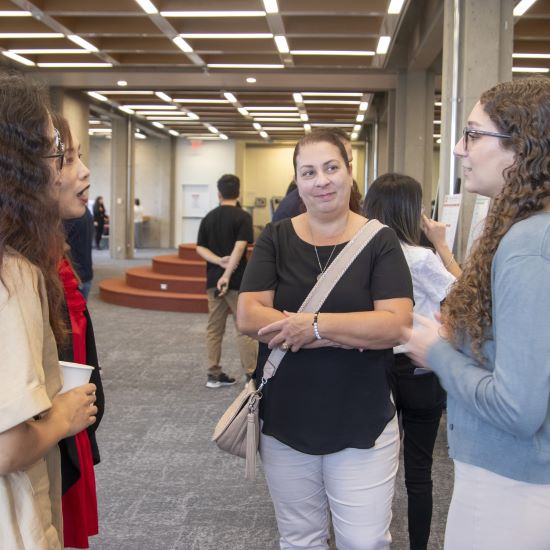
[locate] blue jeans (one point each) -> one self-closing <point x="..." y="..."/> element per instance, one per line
<point x="84" y="288"/>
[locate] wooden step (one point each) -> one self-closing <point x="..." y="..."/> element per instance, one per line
<point x="174" y="265"/>
<point x="147" y="279"/>
<point x="117" y="292"/>
<point x="189" y="252"/>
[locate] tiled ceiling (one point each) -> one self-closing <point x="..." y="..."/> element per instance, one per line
<point x="268" y="40"/>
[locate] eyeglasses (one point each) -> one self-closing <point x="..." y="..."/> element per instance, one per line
<point x="468" y="133"/>
<point x="60" y="150"/>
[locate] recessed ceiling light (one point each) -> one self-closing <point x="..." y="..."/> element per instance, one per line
<point x="124" y="92"/>
<point x="39" y="51"/>
<point x="158" y="124"/>
<point x="147" y="6"/>
<point x="291" y="114"/>
<point x="514" y="55"/>
<point x="354" y="136"/>
<point x="122" y="83"/>
<point x="357" y="128"/>
<point x="182" y="44"/>
<point x="156" y="107"/>
<point x="522" y="7"/>
<point x="213" y="13"/>
<point x="244" y="66"/>
<point x="198" y="100"/>
<point x="18" y="58"/>
<point x="271" y="6"/>
<point x="395" y="7"/>
<point x="359" y="118"/>
<point x="82" y="43"/>
<point x="331" y="102"/>
<point x="163" y="96"/>
<point x="75" y="65"/>
<point x="264" y="134"/>
<point x="333" y="52"/>
<point x="283" y="128"/>
<point x="304" y="117"/>
<point x="281" y="43"/>
<point x="223" y="136"/>
<point x="277" y="119"/>
<point x="383" y="45"/>
<point x="174" y="133"/>
<point x="251" y="80"/>
<point x="297" y="97"/>
<point x="97" y="96"/>
<point x="530" y="69"/>
<point x="192" y="116"/>
<point x="226" y="35"/>
<point x="212" y="129"/>
<point x="257" y="126"/>
<point x="31" y="35"/>
<point x="333" y="94"/>
<point x="363" y="106"/>
<point x="230" y="97"/>
<point x="126" y="110"/>
<point x="289" y="108"/>
<point x="307" y="128"/>
<point x="12" y="13"/>
<point x="243" y="111"/>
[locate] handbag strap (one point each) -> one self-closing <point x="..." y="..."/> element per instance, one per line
<point x="327" y="281"/>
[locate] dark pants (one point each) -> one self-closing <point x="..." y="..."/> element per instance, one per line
<point x="98" y="234"/>
<point x="419" y="400"/>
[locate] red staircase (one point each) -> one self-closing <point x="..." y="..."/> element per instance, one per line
<point x="172" y="283"/>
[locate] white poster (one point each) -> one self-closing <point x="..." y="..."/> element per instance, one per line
<point x="481" y="208"/>
<point x="195" y="201"/>
<point x="449" y="216"/>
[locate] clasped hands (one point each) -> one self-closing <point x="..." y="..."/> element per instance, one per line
<point x="419" y="339"/>
<point x="295" y="332"/>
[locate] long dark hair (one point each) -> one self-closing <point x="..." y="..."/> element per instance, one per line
<point x="520" y="108"/>
<point x="29" y="216"/>
<point x="396" y="200"/>
<point x="335" y="138"/>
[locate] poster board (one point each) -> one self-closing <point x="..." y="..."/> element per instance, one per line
<point x="195" y="200"/>
<point x="449" y="216"/>
<point x="481" y="209"/>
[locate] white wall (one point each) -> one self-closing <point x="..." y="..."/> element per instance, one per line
<point x="198" y="165"/>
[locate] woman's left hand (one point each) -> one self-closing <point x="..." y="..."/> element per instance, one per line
<point x="421" y="338"/>
<point x="295" y="330"/>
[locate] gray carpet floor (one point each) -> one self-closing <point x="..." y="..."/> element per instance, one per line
<point x="162" y="484"/>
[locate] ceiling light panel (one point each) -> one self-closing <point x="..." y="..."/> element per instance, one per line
<point x="13" y="13"/>
<point x="17" y="35"/>
<point x="282" y="44"/>
<point x="82" y="43"/>
<point x="228" y="36"/>
<point x="271" y="6"/>
<point x="147" y="6"/>
<point x="18" y="58"/>
<point x="395" y="7"/>
<point x="75" y="65"/>
<point x="213" y="13"/>
<point x="366" y="53"/>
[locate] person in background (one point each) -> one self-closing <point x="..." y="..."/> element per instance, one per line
<point x="33" y="416"/>
<point x="492" y="350"/>
<point x="330" y="439"/>
<point x="138" y="224"/>
<point x="80" y="453"/>
<point x="224" y="234"/>
<point x="100" y="217"/>
<point x="396" y="201"/>
<point x="79" y="233"/>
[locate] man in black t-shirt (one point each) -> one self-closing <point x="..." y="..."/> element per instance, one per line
<point x="224" y="234"/>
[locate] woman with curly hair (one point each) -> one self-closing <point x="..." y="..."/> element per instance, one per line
<point x="33" y="417"/>
<point x="492" y="351"/>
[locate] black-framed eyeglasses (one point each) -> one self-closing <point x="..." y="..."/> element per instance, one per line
<point x="60" y="150"/>
<point x="469" y="133"/>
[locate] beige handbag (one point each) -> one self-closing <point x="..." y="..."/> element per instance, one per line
<point x="238" y="430"/>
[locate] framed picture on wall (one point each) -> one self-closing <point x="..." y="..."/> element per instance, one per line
<point x="195" y="199"/>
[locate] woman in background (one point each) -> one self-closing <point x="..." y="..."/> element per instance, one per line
<point x="33" y="417"/>
<point x="78" y="453"/>
<point x="396" y="200"/>
<point x="492" y="352"/>
<point x="100" y="217"/>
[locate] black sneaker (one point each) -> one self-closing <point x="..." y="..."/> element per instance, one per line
<point x="219" y="380"/>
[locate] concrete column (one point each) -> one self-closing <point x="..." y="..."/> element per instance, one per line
<point x="121" y="225"/>
<point x="173" y="192"/>
<point x="413" y="123"/>
<point x="477" y="54"/>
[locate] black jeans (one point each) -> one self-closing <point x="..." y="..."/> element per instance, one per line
<point x="419" y="400"/>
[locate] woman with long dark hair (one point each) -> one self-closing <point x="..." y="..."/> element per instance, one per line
<point x="492" y="351"/>
<point x="33" y="417"/>
<point x="396" y="200"/>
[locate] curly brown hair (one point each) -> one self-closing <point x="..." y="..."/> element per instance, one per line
<point x="29" y="216"/>
<point x="520" y="108"/>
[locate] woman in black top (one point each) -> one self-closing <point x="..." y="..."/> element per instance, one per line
<point x="329" y="435"/>
<point x="99" y="220"/>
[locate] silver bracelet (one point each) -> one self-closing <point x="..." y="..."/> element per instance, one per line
<point x="316" y="326"/>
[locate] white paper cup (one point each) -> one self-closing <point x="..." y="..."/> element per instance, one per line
<point x="74" y="375"/>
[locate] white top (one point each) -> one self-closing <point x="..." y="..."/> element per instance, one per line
<point x="138" y="213"/>
<point x="431" y="282"/>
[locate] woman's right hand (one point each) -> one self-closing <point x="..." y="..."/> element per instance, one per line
<point x="76" y="408"/>
<point x="435" y="231"/>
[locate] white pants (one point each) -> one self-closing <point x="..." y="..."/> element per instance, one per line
<point x="356" y="484"/>
<point x="492" y="512"/>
